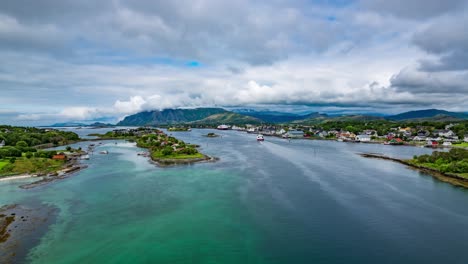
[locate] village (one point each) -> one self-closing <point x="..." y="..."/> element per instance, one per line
<point x="417" y="135"/>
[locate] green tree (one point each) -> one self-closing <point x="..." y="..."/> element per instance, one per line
<point x="28" y="155"/>
<point x="22" y="144"/>
<point x="167" y="151"/>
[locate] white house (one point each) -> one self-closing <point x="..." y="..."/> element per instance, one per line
<point x="419" y="138"/>
<point x="465" y="138"/>
<point x="2" y="144"/>
<point x="445" y="133"/>
<point x="447" y="143"/>
<point x="363" y="138"/>
<point x="280" y="132"/>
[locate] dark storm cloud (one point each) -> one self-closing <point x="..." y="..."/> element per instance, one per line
<point x="446" y="38"/>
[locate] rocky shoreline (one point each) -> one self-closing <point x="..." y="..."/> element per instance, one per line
<point x="445" y="177"/>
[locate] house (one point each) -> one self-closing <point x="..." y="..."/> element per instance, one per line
<point x="444" y="133"/>
<point x="432" y="143"/>
<point x="2" y="144"/>
<point x="370" y="132"/>
<point x="60" y="156"/>
<point x="295" y="133"/>
<point x="363" y="138"/>
<point x="447" y="143"/>
<point x="321" y="133"/>
<point x="465" y="138"/>
<point x="423" y="133"/>
<point x="396" y="141"/>
<point x="280" y="132"/>
<point x="404" y="130"/>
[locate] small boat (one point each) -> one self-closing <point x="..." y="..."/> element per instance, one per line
<point x="260" y="137"/>
<point x="222" y="127"/>
<point x="104" y="152"/>
<point x="85" y="157"/>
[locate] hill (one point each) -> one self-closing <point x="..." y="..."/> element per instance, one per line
<point x="229" y="118"/>
<point x="169" y="116"/>
<point x="429" y="114"/>
<point x="276" y="117"/>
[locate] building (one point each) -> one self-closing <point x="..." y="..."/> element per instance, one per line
<point x="444" y="133"/>
<point x="2" y="144"/>
<point x="465" y="138"/>
<point x="60" y="156"/>
<point x="295" y="134"/>
<point x="280" y="132"/>
<point x="419" y="138"/>
<point x="363" y="138"/>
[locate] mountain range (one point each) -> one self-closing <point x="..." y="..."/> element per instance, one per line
<point x="213" y="116"/>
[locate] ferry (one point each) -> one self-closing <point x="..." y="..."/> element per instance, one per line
<point x="260" y="137"/>
<point x="223" y="127"/>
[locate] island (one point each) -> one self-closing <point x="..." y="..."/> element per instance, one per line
<point x="450" y="166"/>
<point x="163" y="149"/>
<point x="22" y="154"/>
<point x="211" y="135"/>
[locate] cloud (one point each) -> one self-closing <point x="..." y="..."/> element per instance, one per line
<point x="85" y="60"/>
<point x="414" y="9"/>
<point x="446" y="39"/>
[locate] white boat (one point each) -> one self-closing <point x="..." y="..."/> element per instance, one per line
<point x="85" y="157"/>
<point x="260" y="137"/>
<point x="104" y="152"/>
<point x="223" y="127"/>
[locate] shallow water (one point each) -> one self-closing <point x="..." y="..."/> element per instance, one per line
<point x="272" y="202"/>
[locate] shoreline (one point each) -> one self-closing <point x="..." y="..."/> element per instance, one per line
<point x="444" y="177"/>
<point x="174" y="162"/>
<point x="17" y="177"/>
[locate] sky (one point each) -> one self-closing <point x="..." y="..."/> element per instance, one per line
<point x="87" y="60"/>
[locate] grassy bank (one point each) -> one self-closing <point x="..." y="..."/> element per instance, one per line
<point x="160" y="155"/>
<point x="3" y="163"/>
<point x="30" y="166"/>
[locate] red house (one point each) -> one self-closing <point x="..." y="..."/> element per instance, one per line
<point x="59" y="157"/>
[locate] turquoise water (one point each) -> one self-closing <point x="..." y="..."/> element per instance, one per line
<point x="271" y="202"/>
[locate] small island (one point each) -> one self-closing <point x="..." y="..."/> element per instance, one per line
<point x="451" y="166"/>
<point x="211" y="135"/>
<point x="164" y="150"/>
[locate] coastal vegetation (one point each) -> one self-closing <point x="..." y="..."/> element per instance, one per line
<point x="40" y="162"/>
<point x="23" y="137"/>
<point x="454" y="161"/>
<point x="31" y="166"/>
<point x="22" y="154"/>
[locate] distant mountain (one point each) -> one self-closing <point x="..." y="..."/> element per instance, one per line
<point x="229" y="118"/>
<point x="169" y="116"/>
<point x="429" y="114"/>
<point x="100" y="124"/>
<point x="76" y="124"/>
<point x="68" y="124"/>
